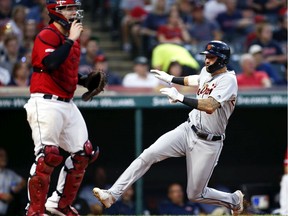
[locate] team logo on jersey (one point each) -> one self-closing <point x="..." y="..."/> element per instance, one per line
<point x="206" y="90"/>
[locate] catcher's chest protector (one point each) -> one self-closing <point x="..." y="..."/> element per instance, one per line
<point x="62" y="81"/>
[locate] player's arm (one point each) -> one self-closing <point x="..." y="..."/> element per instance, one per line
<point x="191" y="80"/>
<point x="208" y="105"/>
<point x="58" y="56"/>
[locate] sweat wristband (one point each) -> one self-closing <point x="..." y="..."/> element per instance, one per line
<point x="178" y="80"/>
<point x="191" y="102"/>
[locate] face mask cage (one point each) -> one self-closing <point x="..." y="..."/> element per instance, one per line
<point x="79" y="15"/>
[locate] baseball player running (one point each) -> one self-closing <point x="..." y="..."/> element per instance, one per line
<point x="53" y="117"/>
<point x="200" y="138"/>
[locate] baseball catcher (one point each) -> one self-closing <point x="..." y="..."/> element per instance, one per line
<point x="54" y="118"/>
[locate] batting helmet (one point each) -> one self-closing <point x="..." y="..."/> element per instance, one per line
<point x="54" y="8"/>
<point x="219" y="49"/>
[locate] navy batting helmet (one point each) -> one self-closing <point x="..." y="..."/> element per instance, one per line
<point x="219" y="49"/>
<point x="54" y="8"/>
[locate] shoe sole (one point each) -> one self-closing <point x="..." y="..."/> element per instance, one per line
<point x="96" y="194"/>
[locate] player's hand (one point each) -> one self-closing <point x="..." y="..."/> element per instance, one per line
<point x="173" y="95"/>
<point x="162" y="75"/>
<point x="75" y="30"/>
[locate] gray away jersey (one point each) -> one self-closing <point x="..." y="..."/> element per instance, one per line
<point x="223" y="88"/>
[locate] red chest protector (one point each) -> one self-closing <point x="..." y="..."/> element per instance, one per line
<point x="62" y="81"/>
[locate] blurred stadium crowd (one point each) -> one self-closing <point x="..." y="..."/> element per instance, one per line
<point x="166" y="32"/>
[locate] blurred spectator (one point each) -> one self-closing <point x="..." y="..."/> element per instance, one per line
<point x="148" y="31"/>
<point x="134" y="13"/>
<point x="123" y="206"/>
<point x="20" y="75"/>
<point x="27" y="58"/>
<point x="140" y="77"/>
<point x="101" y="62"/>
<point x="175" y="68"/>
<point x="267" y="7"/>
<point x="44" y="20"/>
<point x="30" y="32"/>
<point x="11" y="185"/>
<point x="87" y="59"/>
<point x="280" y="33"/>
<point x="176" y="203"/>
<point x="18" y="21"/>
<point x="256" y="51"/>
<point x="12" y="52"/>
<point x="35" y="12"/>
<point x="99" y="178"/>
<point x="3" y="25"/>
<point x="184" y="9"/>
<point x="26" y="3"/>
<point x="163" y="54"/>
<point x="84" y="38"/>
<point x="271" y="49"/>
<point x="214" y="7"/>
<point x="4" y="76"/>
<point x="233" y="23"/>
<point x="250" y="77"/>
<point x="6" y="9"/>
<point x="251" y="36"/>
<point x="174" y="31"/>
<point x="202" y="30"/>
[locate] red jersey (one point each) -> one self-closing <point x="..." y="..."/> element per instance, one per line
<point x="170" y="33"/>
<point x="62" y="81"/>
<point x="254" y="80"/>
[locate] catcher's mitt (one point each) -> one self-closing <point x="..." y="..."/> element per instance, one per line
<point x="95" y="83"/>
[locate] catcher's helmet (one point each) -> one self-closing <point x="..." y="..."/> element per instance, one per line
<point x="219" y="49"/>
<point x="54" y="8"/>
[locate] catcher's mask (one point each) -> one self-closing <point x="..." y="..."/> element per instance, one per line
<point x="55" y="11"/>
<point x="219" y="49"/>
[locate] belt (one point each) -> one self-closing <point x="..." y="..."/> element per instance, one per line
<point x="49" y="96"/>
<point x="205" y="136"/>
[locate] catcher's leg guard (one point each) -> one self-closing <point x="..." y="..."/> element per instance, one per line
<point x="75" y="174"/>
<point x="38" y="184"/>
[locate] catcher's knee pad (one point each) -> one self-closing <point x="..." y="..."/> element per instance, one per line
<point x="75" y="174"/>
<point x="38" y="185"/>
